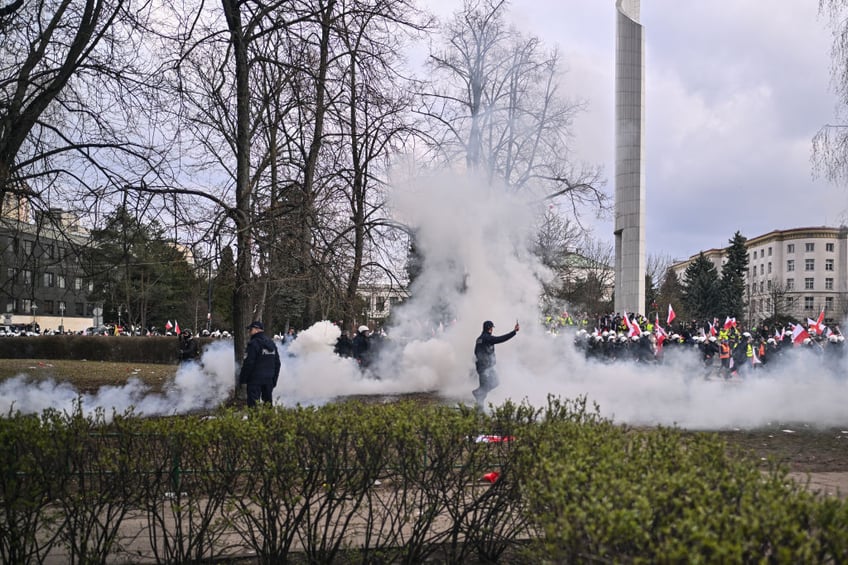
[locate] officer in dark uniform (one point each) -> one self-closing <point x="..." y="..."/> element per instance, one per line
<point x="261" y="367"/>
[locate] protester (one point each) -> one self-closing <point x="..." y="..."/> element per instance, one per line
<point x="484" y="355"/>
<point x="261" y="367"/>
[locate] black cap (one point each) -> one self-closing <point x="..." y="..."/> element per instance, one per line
<point x="256" y="324"/>
<point x="487" y="325"/>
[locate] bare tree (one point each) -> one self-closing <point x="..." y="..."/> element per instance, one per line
<point x="830" y="144"/>
<point x="496" y="103"/>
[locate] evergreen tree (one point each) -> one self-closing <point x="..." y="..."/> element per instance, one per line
<point x="651" y="295"/>
<point x="672" y="292"/>
<point x="733" y="278"/>
<point x="139" y="276"/>
<point x="222" y="291"/>
<point x="701" y="293"/>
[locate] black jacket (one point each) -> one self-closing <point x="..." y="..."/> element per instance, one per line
<point x="261" y="363"/>
<point x="484" y="348"/>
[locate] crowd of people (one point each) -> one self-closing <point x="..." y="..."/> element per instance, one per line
<point x="725" y="350"/>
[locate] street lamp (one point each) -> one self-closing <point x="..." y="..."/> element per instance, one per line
<point x="34" y="311"/>
<point x="61" y="317"/>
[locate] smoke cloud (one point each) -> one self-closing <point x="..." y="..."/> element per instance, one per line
<point x="477" y="266"/>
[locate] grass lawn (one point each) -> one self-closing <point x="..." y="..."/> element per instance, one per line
<point x="88" y="376"/>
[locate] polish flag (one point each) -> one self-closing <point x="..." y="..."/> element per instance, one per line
<point x="168" y="325"/>
<point x="817" y="326"/>
<point x="729" y="323"/>
<point x="635" y="330"/>
<point x="671" y="315"/>
<point x="713" y="330"/>
<point x="177" y="327"/>
<point x="799" y="334"/>
<point x="627" y="323"/>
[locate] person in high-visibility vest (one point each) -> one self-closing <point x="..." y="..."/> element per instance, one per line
<point x="724" y="357"/>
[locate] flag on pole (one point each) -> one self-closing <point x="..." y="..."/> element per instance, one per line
<point x="635" y="330"/>
<point x="729" y="323"/>
<point x="799" y="334"/>
<point x="671" y="315"/>
<point x="713" y="330"/>
<point x="168" y="325"/>
<point x="755" y="360"/>
<point x="176" y="327"/>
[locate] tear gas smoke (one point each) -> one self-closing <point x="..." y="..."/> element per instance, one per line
<point x="477" y="266"/>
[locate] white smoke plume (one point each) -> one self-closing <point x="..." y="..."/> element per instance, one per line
<point x="477" y="267"/>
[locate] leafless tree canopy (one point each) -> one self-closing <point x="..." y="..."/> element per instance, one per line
<point x="496" y="103"/>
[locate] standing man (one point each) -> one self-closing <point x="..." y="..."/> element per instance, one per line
<point x="261" y="366"/>
<point x="484" y="356"/>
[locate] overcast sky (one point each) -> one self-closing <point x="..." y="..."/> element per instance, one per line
<point x="735" y="91"/>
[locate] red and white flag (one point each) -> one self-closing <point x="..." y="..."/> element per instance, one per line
<point x="635" y="330"/>
<point x="729" y="323"/>
<point x="816" y="326"/>
<point x="799" y="334"/>
<point x="168" y="325"/>
<point x="713" y="330"/>
<point x="671" y="315"/>
<point x="176" y="327"/>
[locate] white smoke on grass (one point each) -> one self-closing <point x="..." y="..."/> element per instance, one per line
<point x="196" y="386"/>
<point x="477" y="266"/>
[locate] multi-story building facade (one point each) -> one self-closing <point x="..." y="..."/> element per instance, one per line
<point x="795" y="272"/>
<point x="41" y="280"/>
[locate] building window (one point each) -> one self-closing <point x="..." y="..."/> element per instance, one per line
<point x="790" y="284"/>
<point x="26" y="306"/>
<point x="78" y="308"/>
<point x="50" y="251"/>
<point x="10" y="306"/>
<point x="61" y="281"/>
<point x="11" y="273"/>
<point x="828" y="284"/>
<point x="790" y="265"/>
<point x="769" y="268"/>
<point x="78" y="286"/>
<point x="768" y="304"/>
<point x="27" y="247"/>
<point x="90" y="286"/>
<point x="49" y="280"/>
<point x="27" y="276"/>
<point x="47" y="306"/>
<point x="808" y="303"/>
<point x="809" y="247"/>
<point x="809" y="264"/>
<point x="790" y="248"/>
<point x="828" y="303"/>
<point x="762" y="287"/>
<point x="768" y="284"/>
<point x="828" y="264"/>
<point x="62" y="307"/>
<point x="381" y="304"/>
<point x="808" y="283"/>
<point x="762" y="269"/>
<point x="828" y="247"/>
<point x="769" y="251"/>
<point x="89" y="309"/>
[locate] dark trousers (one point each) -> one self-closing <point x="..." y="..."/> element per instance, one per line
<point x="257" y="392"/>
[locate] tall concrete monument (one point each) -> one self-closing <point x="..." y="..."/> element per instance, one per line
<point x="629" y="159"/>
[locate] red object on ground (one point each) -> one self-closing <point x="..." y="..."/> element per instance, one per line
<point x="491" y="477"/>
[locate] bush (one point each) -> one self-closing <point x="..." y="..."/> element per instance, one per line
<point x="153" y="349"/>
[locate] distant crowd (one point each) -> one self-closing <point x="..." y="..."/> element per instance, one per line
<point x="724" y="349"/>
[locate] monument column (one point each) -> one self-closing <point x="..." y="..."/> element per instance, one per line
<point x="629" y="159"/>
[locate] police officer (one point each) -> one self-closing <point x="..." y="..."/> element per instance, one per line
<point x="261" y="367"/>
